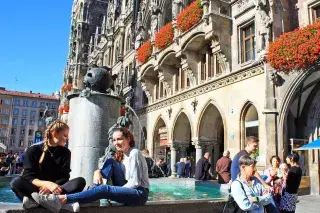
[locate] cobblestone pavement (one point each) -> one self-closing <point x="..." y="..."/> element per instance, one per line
<point x="308" y="204"/>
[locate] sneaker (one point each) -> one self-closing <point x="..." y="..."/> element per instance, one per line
<point x="72" y="207"/>
<point x="28" y="203"/>
<point x="50" y="202"/>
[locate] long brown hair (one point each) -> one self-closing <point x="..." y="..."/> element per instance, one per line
<point x="56" y="126"/>
<point x="127" y="134"/>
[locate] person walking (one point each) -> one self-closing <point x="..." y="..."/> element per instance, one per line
<point x="202" y="168"/>
<point x="223" y="168"/>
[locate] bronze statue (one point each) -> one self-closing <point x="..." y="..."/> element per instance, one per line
<point x="99" y="79"/>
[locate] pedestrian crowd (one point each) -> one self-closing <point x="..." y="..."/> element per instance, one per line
<point x="10" y="163"/>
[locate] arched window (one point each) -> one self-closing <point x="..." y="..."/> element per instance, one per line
<point x="249" y="122"/>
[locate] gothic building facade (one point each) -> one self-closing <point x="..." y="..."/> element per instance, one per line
<point x="208" y="87"/>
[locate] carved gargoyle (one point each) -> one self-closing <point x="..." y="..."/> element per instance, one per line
<point x="99" y="79"/>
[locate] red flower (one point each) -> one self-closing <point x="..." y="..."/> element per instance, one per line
<point x="296" y="49"/>
<point x="144" y="52"/>
<point x="189" y="16"/>
<point x="68" y="87"/>
<point x="60" y="110"/>
<point x="66" y="108"/>
<point x="164" y="37"/>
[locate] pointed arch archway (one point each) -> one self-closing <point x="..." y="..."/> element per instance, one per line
<point x="181" y="137"/>
<point x="160" y="139"/>
<point x="211" y="133"/>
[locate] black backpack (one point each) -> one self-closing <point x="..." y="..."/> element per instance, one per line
<point x="231" y="205"/>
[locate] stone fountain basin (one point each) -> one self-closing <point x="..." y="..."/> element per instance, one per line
<point x="164" y="206"/>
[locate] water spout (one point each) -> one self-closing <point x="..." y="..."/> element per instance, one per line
<point x="144" y="137"/>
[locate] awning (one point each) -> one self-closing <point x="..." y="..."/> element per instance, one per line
<point x="313" y="145"/>
<point x="2" y="146"/>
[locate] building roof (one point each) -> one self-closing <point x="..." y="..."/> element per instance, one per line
<point x="27" y="94"/>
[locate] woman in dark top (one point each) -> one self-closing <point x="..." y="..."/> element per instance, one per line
<point x="292" y="183"/>
<point x="47" y="168"/>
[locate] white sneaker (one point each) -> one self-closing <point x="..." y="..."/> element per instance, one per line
<point x="28" y="203"/>
<point x="73" y="207"/>
<point x="50" y="202"/>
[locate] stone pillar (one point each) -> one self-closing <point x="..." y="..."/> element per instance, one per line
<point x="271" y="114"/>
<point x="89" y="120"/>
<point x="196" y="143"/>
<point x="173" y="160"/>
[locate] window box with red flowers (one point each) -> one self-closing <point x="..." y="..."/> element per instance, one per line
<point x="295" y="50"/>
<point x="144" y="52"/>
<point x="66" y="87"/>
<point x="189" y="16"/>
<point x="164" y="37"/>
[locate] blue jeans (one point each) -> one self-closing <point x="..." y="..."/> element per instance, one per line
<point x="111" y="170"/>
<point x="127" y="196"/>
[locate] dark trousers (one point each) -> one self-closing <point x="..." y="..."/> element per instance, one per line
<point x="22" y="187"/>
<point x="283" y="211"/>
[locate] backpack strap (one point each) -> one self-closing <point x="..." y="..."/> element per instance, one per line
<point x="242" y="188"/>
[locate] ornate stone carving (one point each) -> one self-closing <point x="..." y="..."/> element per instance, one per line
<point x="204" y="88"/>
<point x="243" y="4"/>
<point x="222" y="59"/>
<point x="191" y="76"/>
<point x="264" y="9"/>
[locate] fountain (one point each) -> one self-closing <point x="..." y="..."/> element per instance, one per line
<point x="92" y="113"/>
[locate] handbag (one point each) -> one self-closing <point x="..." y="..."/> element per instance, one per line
<point x="231" y="205"/>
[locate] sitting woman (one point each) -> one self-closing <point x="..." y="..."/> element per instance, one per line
<point x="134" y="192"/>
<point x="247" y="190"/>
<point x="47" y="168"/>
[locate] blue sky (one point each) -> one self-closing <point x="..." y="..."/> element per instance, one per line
<point x="34" y="44"/>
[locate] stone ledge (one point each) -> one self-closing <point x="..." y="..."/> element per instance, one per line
<point x="186" y="206"/>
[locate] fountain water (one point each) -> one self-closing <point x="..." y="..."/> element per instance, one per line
<point x="144" y="137"/>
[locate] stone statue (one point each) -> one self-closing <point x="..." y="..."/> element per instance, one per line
<point x="154" y="26"/>
<point x="264" y="8"/>
<point x="99" y="79"/>
<point x="139" y="39"/>
<point x="176" y="8"/>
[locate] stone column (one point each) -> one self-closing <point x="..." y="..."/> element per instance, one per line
<point x="271" y="114"/>
<point x="173" y="160"/>
<point x="89" y="120"/>
<point x="196" y="143"/>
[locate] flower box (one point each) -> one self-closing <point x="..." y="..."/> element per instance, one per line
<point x="189" y="16"/>
<point x="164" y="37"/>
<point x="295" y="50"/>
<point x="144" y="52"/>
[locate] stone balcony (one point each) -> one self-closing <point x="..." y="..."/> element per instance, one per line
<point x="181" y="57"/>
